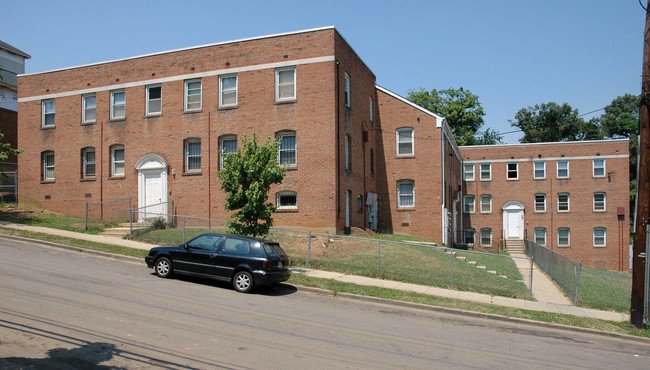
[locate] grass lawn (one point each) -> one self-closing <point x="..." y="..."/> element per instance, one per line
<point x="605" y="291"/>
<point x="53" y="220"/>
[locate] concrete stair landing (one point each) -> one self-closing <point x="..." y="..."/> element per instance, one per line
<point x="514" y="245"/>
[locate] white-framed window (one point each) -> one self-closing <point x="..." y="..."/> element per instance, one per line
<point x="227" y="145"/>
<point x="562" y="169"/>
<point x="512" y="171"/>
<point x="193" y="95"/>
<point x="563" y="237"/>
<point x="88" y="163"/>
<point x="405" y="194"/>
<point x="540" y="235"/>
<point x="346" y="150"/>
<point x="118" y="104"/>
<point x="285" y="84"/>
<point x="287" y="151"/>
<point x="599" y="167"/>
<point x="540" y="202"/>
<point x="192" y="155"/>
<point x="468" y="171"/>
<point x="154" y="100"/>
<point x="468" y="236"/>
<point x="468" y="204"/>
<point x="359" y="203"/>
<point x="48" y="113"/>
<point x="563" y="202"/>
<point x="286" y="200"/>
<point x="486" y="171"/>
<point x="228" y="91"/>
<point x="47" y="166"/>
<point x="486" y="237"/>
<point x="89" y="108"/>
<point x="371" y="108"/>
<point x="539" y="170"/>
<point x="600" y="237"/>
<point x="347" y="90"/>
<point x="600" y="202"/>
<point x="117" y="161"/>
<point x="404" y="141"/>
<point x="486" y="203"/>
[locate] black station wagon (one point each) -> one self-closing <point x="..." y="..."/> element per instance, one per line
<point x="243" y="261"/>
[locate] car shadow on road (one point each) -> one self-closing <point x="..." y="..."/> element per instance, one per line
<point x="278" y="290"/>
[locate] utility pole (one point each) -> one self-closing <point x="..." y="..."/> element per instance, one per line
<point x="643" y="186"/>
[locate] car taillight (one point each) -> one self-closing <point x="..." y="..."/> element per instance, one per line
<point x="265" y="264"/>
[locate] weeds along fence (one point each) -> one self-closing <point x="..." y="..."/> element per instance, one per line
<point x="412" y="262"/>
<point x="592" y="288"/>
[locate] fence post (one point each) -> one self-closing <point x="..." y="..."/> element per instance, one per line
<point x="130" y="218"/>
<point x="575" y="300"/>
<point x="86" y="219"/>
<point x="378" y="258"/>
<point x="308" y="247"/>
<point x="451" y="268"/>
<point x="531" y="275"/>
<point x="183" y="230"/>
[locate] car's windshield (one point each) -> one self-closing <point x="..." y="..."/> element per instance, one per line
<point x="273" y="249"/>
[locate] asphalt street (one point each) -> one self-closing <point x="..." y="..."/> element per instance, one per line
<point x="65" y="309"/>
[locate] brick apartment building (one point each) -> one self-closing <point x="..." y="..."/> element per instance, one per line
<point x="155" y="128"/>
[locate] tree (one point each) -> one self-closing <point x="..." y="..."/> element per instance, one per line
<point x="551" y="122"/>
<point x="6" y="150"/>
<point x="462" y="110"/>
<point x="247" y="179"/>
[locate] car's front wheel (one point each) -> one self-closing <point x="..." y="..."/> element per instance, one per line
<point x="243" y="282"/>
<point x="163" y="267"/>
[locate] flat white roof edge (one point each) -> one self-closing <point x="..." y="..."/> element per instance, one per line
<point x="182" y="49"/>
<point x="544" y="143"/>
<point x="404" y="100"/>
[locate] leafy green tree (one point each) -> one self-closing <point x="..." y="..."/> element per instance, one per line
<point x="551" y="122"/>
<point x="6" y="150"/>
<point x="247" y="179"/>
<point x="462" y="110"/>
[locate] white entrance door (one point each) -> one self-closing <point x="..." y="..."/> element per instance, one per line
<point x="513" y="220"/>
<point x="514" y="230"/>
<point x="153" y="197"/>
<point x="152" y="187"/>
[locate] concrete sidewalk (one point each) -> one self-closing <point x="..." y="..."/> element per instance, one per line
<point x="549" y="299"/>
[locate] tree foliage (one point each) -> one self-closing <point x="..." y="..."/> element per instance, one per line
<point x="247" y="179"/>
<point x="551" y="122"/>
<point x="462" y="110"/>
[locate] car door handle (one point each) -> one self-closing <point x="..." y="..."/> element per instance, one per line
<point x="213" y="255"/>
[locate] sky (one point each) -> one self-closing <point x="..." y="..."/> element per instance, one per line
<point x="511" y="53"/>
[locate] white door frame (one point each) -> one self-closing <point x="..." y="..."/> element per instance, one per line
<point x="148" y="164"/>
<point x="512" y="207"/>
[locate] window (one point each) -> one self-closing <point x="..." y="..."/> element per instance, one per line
<point x="405" y="194"/>
<point x="486" y="171"/>
<point x="117" y="161"/>
<point x="468" y="236"/>
<point x="600" y="237"/>
<point x="563" y="237"/>
<point x="287" y="150"/>
<point x="404" y="139"/>
<point x="347" y="152"/>
<point x="512" y="171"/>
<point x="47" y="168"/>
<point x="205" y="242"/>
<point x="88" y="163"/>
<point x="486" y="203"/>
<point x="371" y="109"/>
<point x="468" y="171"/>
<point x="287" y="200"/>
<point x="118" y="105"/>
<point x="540" y="202"/>
<point x="89" y="110"/>
<point x="563" y="202"/>
<point x="193" y="95"/>
<point x="468" y="204"/>
<point x="154" y="100"/>
<point x="285" y="84"/>
<point x="599" y="167"/>
<point x="193" y="155"/>
<point x="236" y="246"/>
<point x="599" y="201"/>
<point x="48" y="113"/>
<point x="486" y="237"/>
<point x="347" y="90"/>
<point x="359" y="203"/>
<point x="228" y="91"/>
<point x="227" y="145"/>
<point x="540" y="236"/>
<point x="562" y="169"/>
<point x="539" y="171"/>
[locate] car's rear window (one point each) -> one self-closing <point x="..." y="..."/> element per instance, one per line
<point x="273" y="249"/>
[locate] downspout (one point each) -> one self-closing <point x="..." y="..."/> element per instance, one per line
<point x="209" y="169"/>
<point x="442" y="164"/>
<point x="338" y="146"/>
<point x="101" y="172"/>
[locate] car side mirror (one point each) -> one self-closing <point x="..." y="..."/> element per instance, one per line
<point x="185" y="246"/>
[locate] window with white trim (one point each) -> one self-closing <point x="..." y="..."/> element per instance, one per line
<point x="346" y="150"/>
<point x="539" y="170"/>
<point x="154" y="100"/>
<point x="117" y="161"/>
<point x="47" y="166"/>
<point x="287" y="200"/>
<point x="486" y="203"/>
<point x="404" y="141"/>
<point x="468" y="236"/>
<point x="600" y="237"/>
<point x="468" y="204"/>
<point x="287" y="149"/>
<point x="118" y="104"/>
<point x="512" y="171"/>
<point x="600" y="200"/>
<point x="88" y="163"/>
<point x="47" y="120"/>
<point x="486" y="171"/>
<point x="468" y="171"/>
<point x="371" y="109"/>
<point x="227" y="146"/>
<point x="193" y="95"/>
<point x="563" y="202"/>
<point x="562" y="169"/>
<point x="563" y="237"/>
<point x="540" y="235"/>
<point x="192" y="155"/>
<point x="405" y="194"/>
<point x="359" y="203"/>
<point x="540" y="202"/>
<point x="228" y="91"/>
<point x="347" y="90"/>
<point x="285" y="84"/>
<point x="486" y="237"/>
<point x="89" y="108"/>
<point x="599" y="167"/>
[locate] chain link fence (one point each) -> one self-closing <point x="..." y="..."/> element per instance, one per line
<point x="107" y="212"/>
<point x="9" y="186"/>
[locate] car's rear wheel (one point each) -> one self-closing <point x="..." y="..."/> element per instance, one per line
<point x="243" y="282"/>
<point x="163" y="267"/>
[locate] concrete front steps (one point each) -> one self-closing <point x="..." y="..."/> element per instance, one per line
<point x="515" y="245"/>
<point x="124" y="229"/>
